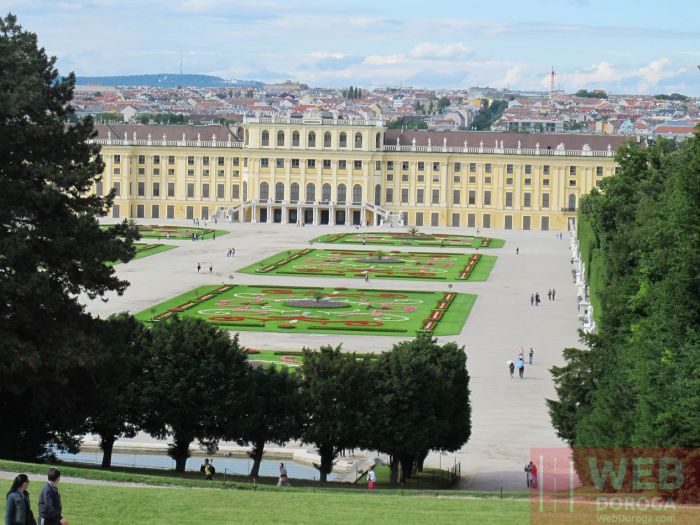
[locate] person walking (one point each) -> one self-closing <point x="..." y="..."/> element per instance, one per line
<point x="531" y="354"/>
<point x="517" y="250"/>
<point x="537" y="298"/>
<point x="50" y="506"/>
<point x="532" y="299"/>
<point x="17" y="508"/>
<point x="554" y="292"/>
<point x="284" y="478"/>
<point x="371" y="478"/>
<point x="233" y="252"/>
<point x="533" y="475"/>
<point x="199" y="267"/>
<point x="549" y="294"/>
<point x="211" y="268"/>
<point x="520" y="365"/>
<point x="511" y="368"/>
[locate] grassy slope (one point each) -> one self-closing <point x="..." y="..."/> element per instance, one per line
<point x="495" y="243"/>
<point x="102" y="505"/>
<point x="451" y="324"/>
<point x="595" y="270"/>
<point x="141" y="253"/>
<point x="481" y="271"/>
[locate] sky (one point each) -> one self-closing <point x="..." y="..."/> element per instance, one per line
<point x="622" y="46"/>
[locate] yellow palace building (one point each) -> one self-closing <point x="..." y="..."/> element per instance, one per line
<point x="319" y="170"/>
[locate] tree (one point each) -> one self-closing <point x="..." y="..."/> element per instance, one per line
<point x="422" y="399"/>
<point x="318" y="295"/>
<point x="118" y="377"/>
<point x="488" y="114"/>
<point x="197" y="386"/>
<point x="275" y="412"/>
<point x="413" y="231"/>
<point x="443" y="103"/>
<point x="336" y="390"/>
<point x="596" y="93"/>
<point x="52" y="249"/>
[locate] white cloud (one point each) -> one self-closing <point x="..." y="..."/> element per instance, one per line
<point x="428" y="50"/>
<point x="327" y="54"/>
<point x="382" y="60"/>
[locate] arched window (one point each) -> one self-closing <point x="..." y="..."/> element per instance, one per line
<point x="245" y="191"/>
<point x="280" y="138"/>
<point x="326" y="192"/>
<point x="378" y="141"/>
<point x="295" y="139"/>
<point x="341" y="193"/>
<point x="572" y="202"/>
<point x="264" y="191"/>
<point x="358" y="140"/>
<point x="327" y="139"/>
<point x="294" y="192"/>
<point x="265" y="138"/>
<point x="279" y="191"/>
<point x="357" y="194"/>
<point x="378" y="195"/>
<point x="310" y="192"/>
<point x="312" y="140"/>
<point x="343" y="140"/>
<point x="246" y="137"/>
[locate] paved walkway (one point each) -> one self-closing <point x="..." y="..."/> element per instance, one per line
<point x="509" y="415"/>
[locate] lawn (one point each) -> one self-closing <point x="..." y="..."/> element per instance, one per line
<point x="319" y="310"/>
<point x="446" y="240"/>
<point x="151" y="231"/>
<point x="144" y="250"/>
<point x="441" y="266"/>
<point x="110" y="505"/>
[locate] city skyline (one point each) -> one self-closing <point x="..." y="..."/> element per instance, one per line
<point x="629" y="47"/>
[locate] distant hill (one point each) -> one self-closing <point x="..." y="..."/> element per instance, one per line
<point x="168" y="80"/>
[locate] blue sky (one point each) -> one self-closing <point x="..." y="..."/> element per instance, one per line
<point x="624" y="46"/>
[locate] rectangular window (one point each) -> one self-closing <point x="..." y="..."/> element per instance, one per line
<point x="220" y="173"/>
<point x="117" y="159"/>
<point x="421" y="166"/>
<point x="420" y="196"/>
<point x="509" y="169"/>
<point x="390" y="165"/>
<point x="572" y="182"/>
<point x="545" y="182"/>
<point x="389" y="195"/>
<point x="420" y="178"/>
<point x="545" y="200"/>
<point x="205" y="173"/>
<point x="189" y="213"/>
<point x="235" y="192"/>
<point x="141" y="189"/>
<point x="142" y="171"/>
<point x="528" y="182"/>
<point x="617" y="170"/>
<point x="545" y="169"/>
<point x="190" y="160"/>
<point x="404" y="165"/>
<point x="404" y="195"/>
<point x="295" y="163"/>
<point x="219" y="191"/>
<point x="487" y="168"/>
<point x="171" y="172"/>
<point x="472" y="167"/>
<point x="471" y="220"/>
<point x="236" y="161"/>
<point x="436" y="178"/>
<point x="170" y="211"/>
<point x="326" y="164"/>
<point x="404" y="177"/>
<point x="389" y="177"/>
<point x="245" y="162"/>
<point x="142" y="159"/>
<point x="310" y="163"/>
<point x="117" y="171"/>
<point x="264" y="163"/>
<point x="156" y="171"/>
<point x="140" y="211"/>
<point x="342" y="164"/>
<point x="190" y="173"/>
<point x="435" y="219"/>
<point x="457" y="178"/>
<point x="171" y="159"/>
<point x="205" y="161"/>
<point x="156" y="189"/>
<point x="487" y="180"/>
<point x="419" y="218"/>
<point x="509" y="199"/>
<point x="472" y="198"/>
<point x="190" y="190"/>
<point x="205" y="213"/>
<point x="436" y="197"/>
<point x="155" y="211"/>
<point x="458" y="167"/>
<point x="508" y="222"/>
<point x="205" y="191"/>
<point x="487" y="198"/>
<point x="357" y="165"/>
<point x="572" y="170"/>
<point x="171" y="189"/>
<point x="279" y="163"/>
<point x="236" y="173"/>
<point x="544" y="223"/>
<point x="509" y="180"/>
<point x="436" y="166"/>
<point x="526" y="222"/>
<point x="599" y="171"/>
<point x="527" y="199"/>
<point x="99" y="187"/>
<point x="486" y="220"/>
<point x="528" y="169"/>
<point x="455" y="220"/>
<point x="378" y="165"/>
<point x="472" y="180"/>
<point x="455" y="196"/>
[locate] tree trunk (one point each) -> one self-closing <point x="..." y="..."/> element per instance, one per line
<point x="406" y="466"/>
<point x="393" y="470"/>
<point x="327" y="455"/>
<point x="107" y="445"/>
<point x="420" y="459"/>
<point x="180" y="451"/>
<point x="256" y="455"/>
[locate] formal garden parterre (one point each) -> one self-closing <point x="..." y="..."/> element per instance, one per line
<point x="319" y="310"/>
<point x="445" y="240"/>
<point x="442" y="266"/>
<point x="152" y="231"/>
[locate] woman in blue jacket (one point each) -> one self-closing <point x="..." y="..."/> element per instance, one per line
<point x="17" y="510"/>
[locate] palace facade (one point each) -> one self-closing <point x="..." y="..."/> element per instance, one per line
<point x="340" y="171"/>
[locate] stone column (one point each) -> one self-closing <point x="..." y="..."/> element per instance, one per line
<point x="269" y="214"/>
<point x="315" y="221"/>
<point x="254" y="214"/>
